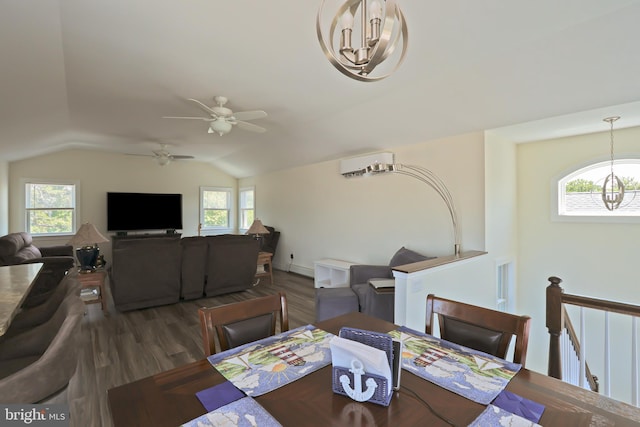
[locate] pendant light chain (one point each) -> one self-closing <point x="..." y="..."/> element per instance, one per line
<point x="611" y="120"/>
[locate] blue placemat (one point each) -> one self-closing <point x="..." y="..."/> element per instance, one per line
<point x="265" y="365"/>
<point x="519" y="405"/>
<point x="219" y="395"/>
<point x="472" y="374"/>
<point x="494" y="416"/>
<point x="245" y="412"/>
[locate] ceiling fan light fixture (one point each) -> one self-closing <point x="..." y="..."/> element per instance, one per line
<point x="163" y="160"/>
<point x="221" y="126"/>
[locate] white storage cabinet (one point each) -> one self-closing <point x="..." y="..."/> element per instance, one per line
<point x="331" y="273"/>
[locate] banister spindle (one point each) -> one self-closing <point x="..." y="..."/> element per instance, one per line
<point x="583" y="349"/>
<point x="607" y="356"/>
<point x="635" y="397"/>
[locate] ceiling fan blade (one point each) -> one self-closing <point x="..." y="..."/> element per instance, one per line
<point x="140" y="155"/>
<point x="249" y="115"/>
<point x="178" y="157"/>
<point x="204" y="107"/>
<point x="250" y="127"/>
<point x="206" y="119"/>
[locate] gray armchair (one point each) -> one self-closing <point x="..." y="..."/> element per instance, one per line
<point x="39" y="363"/>
<point x="360" y="296"/>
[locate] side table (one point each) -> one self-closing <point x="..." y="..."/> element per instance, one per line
<point x="94" y="279"/>
<point x="264" y="265"/>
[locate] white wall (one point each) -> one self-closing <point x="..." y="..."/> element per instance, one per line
<point x="321" y="214"/>
<point x="593" y="259"/>
<point x="4" y="197"/>
<point x="100" y="172"/>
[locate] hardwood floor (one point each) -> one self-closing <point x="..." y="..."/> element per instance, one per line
<point x="125" y="347"/>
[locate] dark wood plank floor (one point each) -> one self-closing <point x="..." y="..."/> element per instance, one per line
<point x="125" y="347"/>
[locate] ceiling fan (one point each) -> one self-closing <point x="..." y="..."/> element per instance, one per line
<point x="223" y="119"/>
<point x="163" y="157"/>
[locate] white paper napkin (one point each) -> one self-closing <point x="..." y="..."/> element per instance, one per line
<point x="375" y="361"/>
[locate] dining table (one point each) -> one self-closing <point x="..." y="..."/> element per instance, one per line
<point x="15" y="283"/>
<point x="169" y="398"/>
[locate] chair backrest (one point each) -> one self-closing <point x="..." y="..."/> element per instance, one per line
<point x="242" y="322"/>
<point x="479" y="328"/>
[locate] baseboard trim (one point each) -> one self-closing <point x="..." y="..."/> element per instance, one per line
<point x="298" y="269"/>
<point x="305" y="271"/>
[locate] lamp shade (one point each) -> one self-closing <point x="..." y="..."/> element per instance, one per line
<point x="87" y="235"/>
<point x="257" y="228"/>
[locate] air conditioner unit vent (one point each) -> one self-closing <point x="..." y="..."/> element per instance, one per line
<point x="354" y="166"/>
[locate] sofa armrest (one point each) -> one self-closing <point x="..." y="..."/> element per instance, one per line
<point x="60" y="250"/>
<point x="55" y="262"/>
<point x="361" y="273"/>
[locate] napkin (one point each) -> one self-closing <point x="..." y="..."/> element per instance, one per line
<point x="219" y="395"/>
<point x="519" y="405"/>
<point x="375" y="361"/>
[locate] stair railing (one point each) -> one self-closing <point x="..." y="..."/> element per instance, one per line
<point x="559" y="326"/>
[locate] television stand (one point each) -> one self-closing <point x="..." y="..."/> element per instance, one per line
<point x="118" y="236"/>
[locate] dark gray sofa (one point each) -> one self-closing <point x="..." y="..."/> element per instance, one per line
<point x="154" y="271"/>
<point x="18" y="248"/>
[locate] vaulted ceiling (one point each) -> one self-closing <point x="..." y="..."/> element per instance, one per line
<point x="102" y="74"/>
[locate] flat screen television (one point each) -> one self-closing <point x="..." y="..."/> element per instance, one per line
<point x="144" y="211"/>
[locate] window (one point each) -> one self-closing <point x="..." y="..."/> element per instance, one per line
<point x="504" y="285"/>
<point x="215" y="212"/>
<point x="579" y="194"/>
<point x="50" y="208"/>
<point x="247" y="207"/>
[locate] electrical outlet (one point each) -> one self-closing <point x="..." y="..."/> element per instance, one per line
<point x="291" y="256"/>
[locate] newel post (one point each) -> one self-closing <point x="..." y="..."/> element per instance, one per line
<point x="555" y="322"/>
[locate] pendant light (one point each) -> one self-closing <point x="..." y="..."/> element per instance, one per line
<point x="613" y="187"/>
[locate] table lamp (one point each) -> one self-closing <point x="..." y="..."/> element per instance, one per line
<point x="86" y="242"/>
<point x="257" y="229"/>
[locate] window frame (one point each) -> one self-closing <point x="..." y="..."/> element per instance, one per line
<point x="242" y="209"/>
<point x="558" y="195"/>
<point x="230" y="211"/>
<point x="75" y="211"/>
<point x="505" y="284"/>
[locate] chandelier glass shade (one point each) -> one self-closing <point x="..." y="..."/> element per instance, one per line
<point x="613" y="187"/>
<point x="382" y="30"/>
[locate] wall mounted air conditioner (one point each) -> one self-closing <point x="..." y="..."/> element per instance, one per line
<point x="353" y="166"/>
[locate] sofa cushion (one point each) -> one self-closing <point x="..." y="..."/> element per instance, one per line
<point x="232" y="263"/>
<point x="145" y="272"/>
<point x="194" y="266"/>
<point x="16" y="248"/>
<point x="406" y="256"/>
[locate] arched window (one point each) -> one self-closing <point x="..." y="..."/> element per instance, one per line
<point x="579" y="194"/>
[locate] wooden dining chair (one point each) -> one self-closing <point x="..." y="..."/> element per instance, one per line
<point x="480" y="328"/>
<point x="242" y="322"/>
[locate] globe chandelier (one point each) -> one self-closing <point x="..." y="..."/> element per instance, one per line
<point x="382" y="29"/>
<point x="613" y="187"/>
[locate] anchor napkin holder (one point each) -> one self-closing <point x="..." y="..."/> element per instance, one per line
<point x="362" y="372"/>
